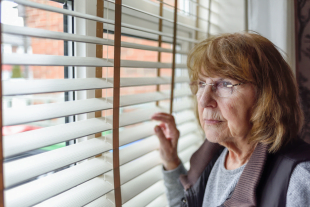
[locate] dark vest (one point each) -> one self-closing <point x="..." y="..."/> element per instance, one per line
<point x="264" y="181"/>
<point x="277" y="173"/>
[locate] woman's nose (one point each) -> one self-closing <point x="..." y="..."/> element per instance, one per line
<point x="206" y="97"/>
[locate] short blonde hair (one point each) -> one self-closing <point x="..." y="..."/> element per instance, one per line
<point x="277" y="117"/>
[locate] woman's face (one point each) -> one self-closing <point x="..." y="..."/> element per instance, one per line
<point x="225" y="119"/>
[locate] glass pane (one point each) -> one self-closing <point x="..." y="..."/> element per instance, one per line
<point x="21" y="16"/>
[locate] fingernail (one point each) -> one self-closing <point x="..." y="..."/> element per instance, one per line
<point x="157" y="128"/>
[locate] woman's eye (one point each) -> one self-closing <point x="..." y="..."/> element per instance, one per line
<point x="201" y="84"/>
<point x="225" y="84"/>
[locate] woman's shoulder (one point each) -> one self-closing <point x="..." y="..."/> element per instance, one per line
<point x="304" y="165"/>
<point x="299" y="186"/>
<point x="301" y="172"/>
<point x="300" y="177"/>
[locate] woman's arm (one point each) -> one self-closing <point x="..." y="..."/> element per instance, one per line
<point x="168" y="136"/>
<point x="298" y="193"/>
<point x="175" y="191"/>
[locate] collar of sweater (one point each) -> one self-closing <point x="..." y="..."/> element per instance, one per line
<point x="244" y="193"/>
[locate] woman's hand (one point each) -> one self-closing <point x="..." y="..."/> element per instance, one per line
<point x="168" y="136"/>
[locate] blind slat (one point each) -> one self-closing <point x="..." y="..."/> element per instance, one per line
<point x="146" y="47"/>
<point x="12" y="116"/>
<point x="42" y="33"/>
<point x="128" y="135"/>
<point x="145" y="115"/>
<point x="128" y="100"/>
<point x="39" y="190"/>
<point x="140" y="183"/>
<point x="190" y="27"/>
<point x="144" y="64"/>
<point x="26" y="87"/>
<point x="127" y="82"/>
<point x="23" y="169"/>
<point x="81" y="194"/>
<point x="132" y="134"/>
<point x="138" y="149"/>
<point x="147" y="196"/>
<point x="186" y="154"/>
<point x="102" y="201"/>
<point x="188" y="140"/>
<point x="179" y="105"/>
<point x="184" y="116"/>
<point x="160" y="201"/>
<point x="23" y="142"/>
<point x="187" y="128"/>
<point x="200" y="5"/>
<point x="62" y="11"/>
<point x="136" y="116"/>
<point x="54" y="60"/>
<point x="139" y="166"/>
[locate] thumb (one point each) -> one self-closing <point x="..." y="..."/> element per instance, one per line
<point x="160" y="134"/>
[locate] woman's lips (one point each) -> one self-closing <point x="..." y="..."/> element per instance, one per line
<point x="211" y="121"/>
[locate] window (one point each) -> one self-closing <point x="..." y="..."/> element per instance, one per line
<point x="14" y="17"/>
<point x="94" y="114"/>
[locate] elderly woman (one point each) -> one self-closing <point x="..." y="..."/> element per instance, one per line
<point x="248" y="107"/>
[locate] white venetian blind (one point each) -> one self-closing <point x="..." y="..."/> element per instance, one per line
<point x="84" y="171"/>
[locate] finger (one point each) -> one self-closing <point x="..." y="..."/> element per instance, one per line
<point x="163" y="126"/>
<point x="160" y="113"/>
<point x="166" y="118"/>
<point x="174" y="141"/>
<point x="162" y="138"/>
<point x="169" y="126"/>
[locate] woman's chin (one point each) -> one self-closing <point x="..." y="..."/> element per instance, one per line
<point x="215" y="135"/>
<point x="212" y="139"/>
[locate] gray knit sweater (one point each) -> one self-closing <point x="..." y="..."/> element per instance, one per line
<point x="298" y="194"/>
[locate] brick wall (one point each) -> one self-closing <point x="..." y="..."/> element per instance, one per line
<point x="41" y="19"/>
<point x="54" y="22"/>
